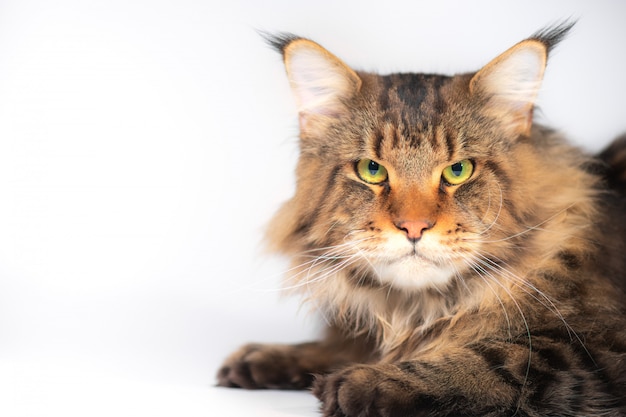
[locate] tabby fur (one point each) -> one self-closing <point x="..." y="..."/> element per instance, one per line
<point x="500" y="296"/>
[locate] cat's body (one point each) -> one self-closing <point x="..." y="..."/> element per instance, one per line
<point x="468" y="262"/>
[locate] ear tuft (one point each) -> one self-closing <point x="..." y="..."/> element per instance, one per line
<point x="550" y="36"/>
<point x="278" y="41"/>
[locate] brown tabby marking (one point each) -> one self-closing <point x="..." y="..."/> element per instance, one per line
<point x="469" y="261"/>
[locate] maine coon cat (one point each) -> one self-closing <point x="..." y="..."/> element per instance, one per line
<point x="468" y="261"/>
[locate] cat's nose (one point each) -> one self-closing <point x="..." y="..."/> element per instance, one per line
<point x="414" y="228"/>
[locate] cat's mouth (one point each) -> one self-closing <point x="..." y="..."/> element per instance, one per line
<point x="414" y="254"/>
<point x="425" y="263"/>
<point x="420" y="253"/>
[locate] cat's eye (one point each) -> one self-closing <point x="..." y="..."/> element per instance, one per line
<point x="371" y="172"/>
<point x="458" y="173"/>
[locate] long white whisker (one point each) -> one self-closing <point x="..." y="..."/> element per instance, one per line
<point x="486" y="274"/>
<point x="530" y="228"/>
<point x="328" y="260"/>
<point x="526" y="286"/>
<point x="325" y="265"/>
<point x="480" y="271"/>
<point x="495" y="220"/>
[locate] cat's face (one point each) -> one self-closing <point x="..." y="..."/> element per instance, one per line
<point x="414" y="204"/>
<point x="408" y="179"/>
<point x="410" y="204"/>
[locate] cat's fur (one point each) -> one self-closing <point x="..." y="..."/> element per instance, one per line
<point x="503" y="295"/>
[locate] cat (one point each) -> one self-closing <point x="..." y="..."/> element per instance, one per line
<point x="468" y="261"/>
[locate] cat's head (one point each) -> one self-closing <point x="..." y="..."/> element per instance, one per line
<point x="409" y="179"/>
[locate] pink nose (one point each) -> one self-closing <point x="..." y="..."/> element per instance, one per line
<point x="414" y="229"/>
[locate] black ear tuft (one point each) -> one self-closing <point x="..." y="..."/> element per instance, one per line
<point x="551" y="35"/>
<point x="278" y="41"/>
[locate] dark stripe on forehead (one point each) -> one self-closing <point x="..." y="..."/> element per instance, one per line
<point x="396" y="136"/>
<point x="411" y="89"/>
<point x="451" y="142"/>
<point x="377" y="144"/>
<point x="439" y="104"/>
<point x="385" y="93"/>
<point x="411" y="129"/>
<point x="422" y="93"/>
<point x="419" y="92"/>
<point x="413" y="103"/>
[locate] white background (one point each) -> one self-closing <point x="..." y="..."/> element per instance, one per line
<point x="143" y="146"/>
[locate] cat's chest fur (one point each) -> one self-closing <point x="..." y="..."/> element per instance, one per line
<point x="393" y="316"/>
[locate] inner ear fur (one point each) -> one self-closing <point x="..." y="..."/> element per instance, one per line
<point x="321" y="82"/>
<point x="510" y="83"/>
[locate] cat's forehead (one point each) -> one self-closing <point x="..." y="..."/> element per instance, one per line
<point x="412" y="123"/>
<point x="418" y="95"/>
<point x="413" y="150"/>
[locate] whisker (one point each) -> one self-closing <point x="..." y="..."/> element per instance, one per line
<point x="495" y="220"/>
<point x="529" y="228"/>
<point x="480" y="271"/>
<point x="534" y="292"/>
<point x="484" y="274"/>
<point x="345" y="253"/>
<point x="328" y="259"/>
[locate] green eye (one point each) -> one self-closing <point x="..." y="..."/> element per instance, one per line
<point x="458" y="173"/>
<point x="370" y="171"/>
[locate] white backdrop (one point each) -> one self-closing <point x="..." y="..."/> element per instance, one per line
<point x="143" y="146"/>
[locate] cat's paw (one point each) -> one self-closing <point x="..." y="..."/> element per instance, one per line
<point x="370" y="390"/>
<point x="256" y="366"/>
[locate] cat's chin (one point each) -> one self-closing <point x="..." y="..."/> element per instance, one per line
<point x="414" y="273"/>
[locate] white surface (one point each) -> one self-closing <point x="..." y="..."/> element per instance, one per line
<point x="143" y="146"/>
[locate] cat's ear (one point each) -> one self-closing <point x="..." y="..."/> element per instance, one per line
<point x="321" y="82"/>
<point x="512" y="81"/>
